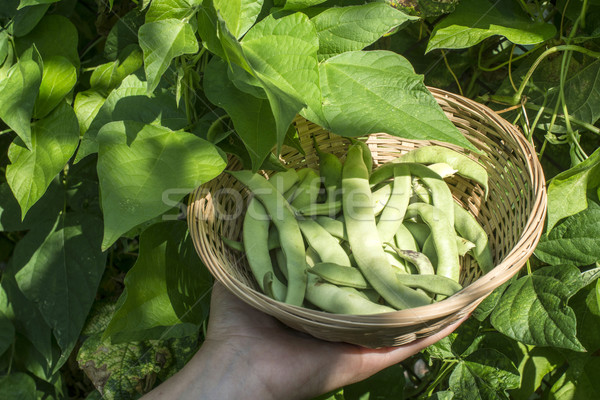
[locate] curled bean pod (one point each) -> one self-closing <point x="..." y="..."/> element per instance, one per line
<point x="339" y="275"/>
<point x="290" y="236"/>
<point x="255" y="233"/>
<point x="363" y="236"/>
<point x="467" y="226"/>
<point x="443" y="238"/>
<point x="419" y="260"/>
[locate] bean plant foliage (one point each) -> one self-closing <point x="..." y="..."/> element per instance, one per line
<point x="113" y="111"/>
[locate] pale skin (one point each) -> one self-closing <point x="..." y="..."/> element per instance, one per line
<point x="248" y="354"/>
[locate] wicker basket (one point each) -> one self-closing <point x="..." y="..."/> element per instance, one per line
<point x="513" y="216"/>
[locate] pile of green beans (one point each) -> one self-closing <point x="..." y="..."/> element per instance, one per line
<point x="350" y="239"/>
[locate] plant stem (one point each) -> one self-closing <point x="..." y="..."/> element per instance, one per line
<point x="441" y="375"/>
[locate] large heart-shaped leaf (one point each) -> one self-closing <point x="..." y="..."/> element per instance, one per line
<point x="160" y="10"/>
<point x="576" y="240"/>
<point x="252" y="117"/>
<point x="18" y="91"/>
<point x="475" y="20"/>
<point x="141" y="166"/>
<point x="55" y="35"/>
<point x="17" y="385"/>
<point x="567" y="191"/>
<point x="239" y="15"/>
<point x="59" y="271"/>
<point x="342" y="29"/>
<point x="87" y="104"/>
<point x="131" y="102"/>
<point x="108" y="76"/>
<point x="58" y="79"/>
<point x="54" y="140"/>
<point x="398" y="101"/>
<point x="147" y="307"/>
<point x="533" y="310"/>
<point x="162" y="41"/>
<point x="482" y="375"/>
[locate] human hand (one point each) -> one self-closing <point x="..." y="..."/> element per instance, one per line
<point x="248" y="354"/>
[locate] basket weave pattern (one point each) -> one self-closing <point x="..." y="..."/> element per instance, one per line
<point x="512" y="215"/>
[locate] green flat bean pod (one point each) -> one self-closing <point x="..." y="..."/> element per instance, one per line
<point x="255" y="233"/>
<point x="307" y="191"/>
<point x="393" y="213"/>
<point x="330" y="169"/>
<point x="335" y="227"/>
<point x="434" y="284"/>
<point x="464" y="165"/>
<point x="444" y="238"/>
<point x="336" y="300"/>
<point x="331" y="208"/>
<point x="290" y="236"/>
<point x="363" y="236"/>
<point x="380" y="197"/>
<point x="340" y="275"/>
<point x="327" y="247"/>
<point x="284" y="181"/>
<point x="418" y="259"/>
<point x="467" y="226"/>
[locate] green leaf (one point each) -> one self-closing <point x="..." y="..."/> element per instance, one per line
<point x="482" y="375"/>
<point x="122" y="371"/>
<point x="58" y="79"/>
<point x="3" y="46"/>
<point x="47" y="208"/>
<point x="399" y="103"/>
<point x="59" y="271"/>
<point x="580" y="385"/>
<point x="7" y="333"/>
<point x="567" y="191"/>
<point x="124" y="33"/>
<point x="582" y="93"/>
<point x="108" y="76"/>
<point x="158" y="161"/>
<point x="475" y="20"/>
<point x="23" y="313"/>
<point x="27" y="3"/>
<point x="342" y="29"/>
<point x="147" y="309"/>
<point x="17" y="386"/>
<point x="270" y="45"/>
<point x="587" y="310"/>
<point x="18" y="92"/>
<point x="239" y="15"/>
<point x="252" y="117"/>
<point x="161" y="10"/>
<point x="27" y="18"/>
<point x="386" y="384"/>
<point x="131" y="102"/>
<point x="162" y="41"/>
<point x="576" y="240"/>
<point x="534" y="311"/>
<point x="55" y="35"/>
<point x="535" y="364"/>
<point x="301" y="4"/>
<point x="54" y="140"/>
<point x="87" y="104"/>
